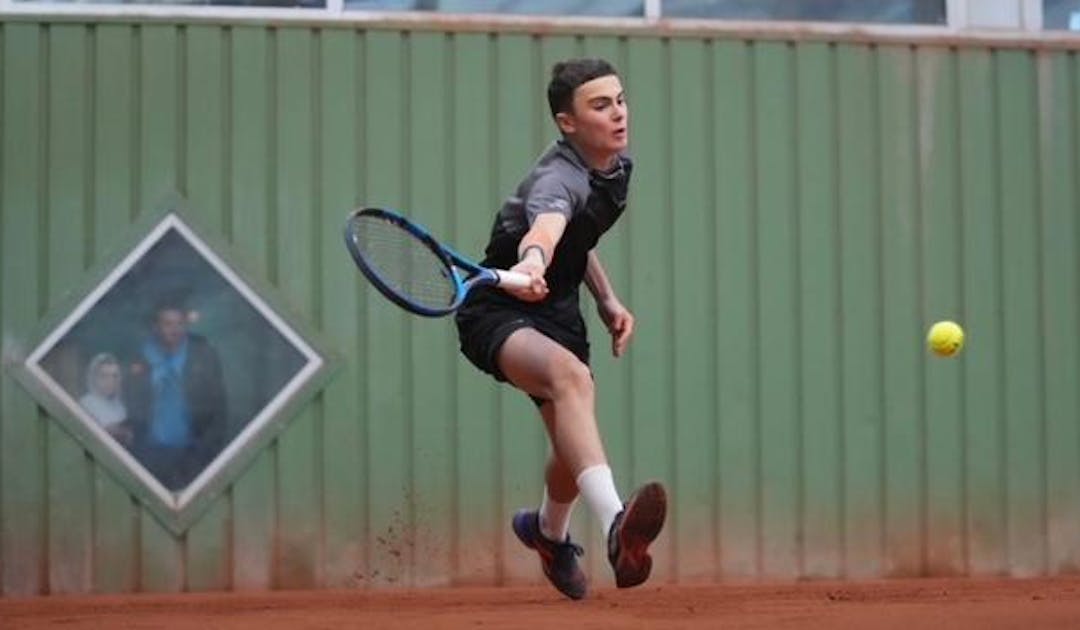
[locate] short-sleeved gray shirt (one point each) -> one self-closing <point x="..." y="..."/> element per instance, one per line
<point x="591" y="201"/>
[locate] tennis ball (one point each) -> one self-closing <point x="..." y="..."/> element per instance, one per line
<point x="945" y="338"/>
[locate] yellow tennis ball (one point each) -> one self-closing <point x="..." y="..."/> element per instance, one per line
<point x="945" y="338"/>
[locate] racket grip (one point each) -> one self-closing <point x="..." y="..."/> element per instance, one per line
<point x="513" y="279"/>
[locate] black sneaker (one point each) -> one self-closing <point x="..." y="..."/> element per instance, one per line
<point x="632" y="531"/>
<point x="558" y="559"/>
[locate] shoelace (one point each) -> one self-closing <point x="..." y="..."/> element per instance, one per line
<point x="566" y="551"/>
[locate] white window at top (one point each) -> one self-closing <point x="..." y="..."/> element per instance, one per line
<point x="881" y="11"/>
<point x="1061" y="15"/>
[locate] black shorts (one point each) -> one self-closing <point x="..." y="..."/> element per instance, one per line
<point x="484" y="325"/>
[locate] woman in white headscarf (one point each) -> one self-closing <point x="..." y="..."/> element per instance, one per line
<point x="103" y="399"/>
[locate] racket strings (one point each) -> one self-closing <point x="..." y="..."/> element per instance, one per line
<point x="406" y="264"/>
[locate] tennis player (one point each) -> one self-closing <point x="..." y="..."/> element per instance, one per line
<point x="535" y="338"/>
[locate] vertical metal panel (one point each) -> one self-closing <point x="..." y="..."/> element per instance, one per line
<point x="986" y="528"/>
<point x="297" y="554"/>
<point x="901" y="256"/>
<point x="1061" y="311"/>
<point x="859" y="312"/>
<point x="69" y="473"/>
<point x="22" y="472"/>
<point x="1024" y="461"/>
<point x="252" y="144"/>
<point x="819" y="329"/>
<point x="736" y="311"/>
<point x="693" y="439"/>
<point x="777" y="298"/>
<point x="342" y="442"/>
<point x="115" y="514"/>
<point x="801" y="212"/>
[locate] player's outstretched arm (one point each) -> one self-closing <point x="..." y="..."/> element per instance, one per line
<point x="534" y="254"/>
<point x="618" y="319"/>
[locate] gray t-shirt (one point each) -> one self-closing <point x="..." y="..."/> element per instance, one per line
<point x="591" y="201"/>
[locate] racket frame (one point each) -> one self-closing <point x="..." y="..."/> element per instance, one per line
<point x="454" y="264"/>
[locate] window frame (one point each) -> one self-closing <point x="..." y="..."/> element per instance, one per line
<point x="956" y="30"/>
<point x="176" y="511"/>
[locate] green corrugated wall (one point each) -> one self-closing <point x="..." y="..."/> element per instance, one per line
<point x="801" y="211"/>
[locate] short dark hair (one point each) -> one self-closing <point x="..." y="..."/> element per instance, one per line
<point x="567" y="75"/>
<point x="168" y="302"/>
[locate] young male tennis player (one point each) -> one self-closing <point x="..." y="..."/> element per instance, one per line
<point x="535" y="338"/>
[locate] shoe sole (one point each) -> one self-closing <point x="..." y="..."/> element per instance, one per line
<point x="642" y="522"/>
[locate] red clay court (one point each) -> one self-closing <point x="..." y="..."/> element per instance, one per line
<point x="922" y="604"/>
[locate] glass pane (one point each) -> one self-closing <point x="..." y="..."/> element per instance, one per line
<point x="1061" y="15"/>
<point x="886" y="11"/>
<point x="609" y="8"/>
<point x="303" y="4"/>
<point x="173" y="362"/>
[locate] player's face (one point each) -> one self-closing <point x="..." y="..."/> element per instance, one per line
<point x="171" y="328"/>
<point x="600" y="121"/>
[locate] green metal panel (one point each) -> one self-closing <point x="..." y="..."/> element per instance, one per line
<point x="901" y="256"/>
<point x="297" y="553"/>
<point x="801" y="212"/>
<point x="819" y="329"/>
<point x="338" y="189"/>
<point x="69" y="475"/>
<point x="478" y="518"/>
<point x="1025" y="429"/>
<point x="693" y="429"/>
<point x="1058" y="129"/>
<point x="23" y="436"/>
<point x="777" y="299"/>
<point x="251" y="144"/>
<point x="859" y="316"/>
<point x="736" y="311"/>
<point x="986" y="527"/>
<point x="115" y="514"/>
<point x="944" y="456"/>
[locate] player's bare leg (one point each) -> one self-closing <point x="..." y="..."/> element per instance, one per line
<point x="560" y="489"/>
<point x="545" y="369"/>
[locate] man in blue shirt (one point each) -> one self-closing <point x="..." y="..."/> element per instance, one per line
<point x="176" y="399"/>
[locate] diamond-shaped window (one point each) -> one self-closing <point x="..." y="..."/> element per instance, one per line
<point x="173" y="370"/>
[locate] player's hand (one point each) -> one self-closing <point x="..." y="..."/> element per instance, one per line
<point x="620" y="323"/>
<point x="538" y="289"/>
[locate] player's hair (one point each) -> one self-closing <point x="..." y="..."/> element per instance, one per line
<point x="567" y="75"/>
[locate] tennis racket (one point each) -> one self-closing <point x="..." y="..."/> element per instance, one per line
<point x="407" y="265"/>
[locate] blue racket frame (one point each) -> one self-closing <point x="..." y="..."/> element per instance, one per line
<point x="453" y="261"/>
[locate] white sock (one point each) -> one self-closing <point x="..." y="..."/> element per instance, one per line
<point x="598" y="487"/>
<point x="555" y="518"/>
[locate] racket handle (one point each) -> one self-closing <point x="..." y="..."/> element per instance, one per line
<point x="513" y="279"/>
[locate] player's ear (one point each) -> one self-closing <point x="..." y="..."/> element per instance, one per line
<point x="565" y="122"/>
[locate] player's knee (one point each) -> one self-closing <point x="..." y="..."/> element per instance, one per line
<point x="571" y="377"/>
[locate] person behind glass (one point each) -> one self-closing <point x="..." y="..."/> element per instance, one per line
<point x="103" y="399"/>
<point x="535" y="338"/>
<point x="176" y="398"/>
